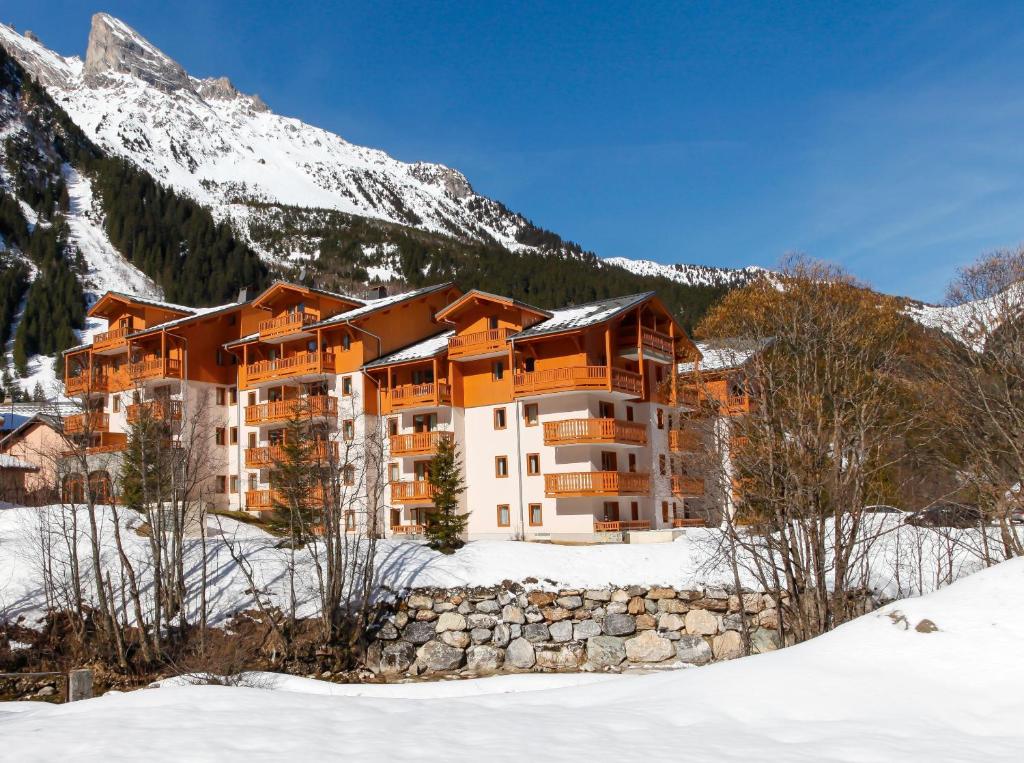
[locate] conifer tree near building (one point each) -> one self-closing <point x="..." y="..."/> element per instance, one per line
<point x="445" y="526"/>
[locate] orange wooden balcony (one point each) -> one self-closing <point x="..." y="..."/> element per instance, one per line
<point x="725" y="404"/>
<point x="155" y="368"/>
<point x="94" y="421"/>
<point x="418" y="443"/>
<point x="582" y="484"/>
<point x="619" y="525"/>
<point x="687" y="487"/>
<point x="654" y="343"/>
<point x="315" y="406"/>
<point x="413" y="491"/>
<point x="490" y="342"/>
<point x="300" y="364"/>
<point x="85" y="383"/>
<point x="408" y="529"/>
<point x="576" y="378"/>
<point x="104" y="442"/>
<point x="680" y="522"/>
<point x="594" y="431"/>
<point x="270" y="455"/>
<point x="418" y="396"/>
<point x="286" y="325"/>
<point x="684" y="441"/>
<point x="157" y="410"/>
<point x="113" y="340"/>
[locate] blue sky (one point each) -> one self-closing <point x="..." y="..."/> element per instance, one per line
<point x="885" y="137"/>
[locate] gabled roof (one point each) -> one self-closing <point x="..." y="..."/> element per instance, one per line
<point x="200" y="312"/>
<point x="582" y="316"/>
<point x="36" y="418"/>
<point x="282" y="285"/>
<point x="422" y="350"/>
<point x="137" y="299"/>
<point x="723" y="355"/>
<point x="10" y="462"/>
<point x="476" y="294"/>
<point x="374" y="305"/>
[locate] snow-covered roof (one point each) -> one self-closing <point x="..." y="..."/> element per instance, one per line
<point x="428" y="348"/>
<point x="372" y="305"/>
<point x="722" y="355"/>
<point x="198" y="312"/>
<point x="151" y="302"/>
<point x="582" y="316"/>
<point x="10" y="462"/>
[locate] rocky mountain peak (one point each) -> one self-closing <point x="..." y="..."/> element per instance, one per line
<point x="116" y="47"/>
<point x="222" y="89"/>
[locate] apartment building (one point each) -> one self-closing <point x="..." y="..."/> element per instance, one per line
<point x="562" y="417"/>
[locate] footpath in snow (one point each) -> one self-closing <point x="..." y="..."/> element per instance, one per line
<point x="876" y="689"/>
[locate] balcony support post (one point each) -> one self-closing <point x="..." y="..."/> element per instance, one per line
<point x="640" y="356"/>
<point x="608" y="353"/>
<point x="673" y="369"/>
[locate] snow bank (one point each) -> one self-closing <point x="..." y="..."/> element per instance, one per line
<point x="874" y="689"/>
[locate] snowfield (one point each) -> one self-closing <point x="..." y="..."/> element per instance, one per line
<point x="875" y="689"/>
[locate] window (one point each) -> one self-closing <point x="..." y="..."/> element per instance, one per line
<point x="253" y="483"/>
<point x="346" y="385"/>
<point x="492" y="322"/>
<point x="220" y="436"/>
<point x="117" y="403"/>
<point x="233" y="435"/>
<point x="632" y="462"/>
<point x="393" y="473"/>
<point x="233" y="395"/>
<point x="530" y="365"/>
<point x="609" y="461"/>
<point x="531" y="414"/>
<point x="497" y="370"/>
<point x="252" y="439"/>
<point x="661" y="465"/>
<point x="392" y="426"/>
<point x="504" y="516"/>
<point x="348" y="429"/>
<point x="664" y="511"/>
<point x="533" y="464"/>
<point x="350" y="520"/>
<point x="222" y="483"/>
<point x="634" y="510"/>
<point x="611" y="511"/>
<point x="499" y="418"/>
<point x="346" y="342"/>
<point x="536" y="515"/>
<point x="606" y="410"/>
<point x="423" y="376"/>
<point x="252" y="398"/>
<point x="221" y="396"/>
<point x="311" y="345"/>
<point x="348" y="474"/>
<point x="234" y="483"/>
<point x="629" y="413"/>
<point x="661" y="418"/>
<point x="501" y="466"/>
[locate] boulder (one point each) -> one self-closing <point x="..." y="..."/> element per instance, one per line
<point x="480" y="635"/>
<point x="619" y="596"/>
<point x="649" y="647"/>
<point x="570" y="602"/>
<point x="554" y="614"/>
<point x="605" y="651"/>
<point x="511" y="614"/>
<point x="763" y="640"/>
<point x="540" y="598"/>
<point x="561" y="631"/>
<point x="457" y="639"/>
<point x="731" y="622"/>
<point x="616" y="608"/>
<point x="752" y="603"/>
<point x="636" y="590"/>
<point x="618" y="624"/>
<point x="426" y="615"/>
<point x="673" y="606"/>
<point x="400" y="619"/>
<point x="443" y="606"/>
<point x="484" y="659"/>
<point x="769" y="618"/>
<point x="601" y="594"/>
<point x="465" y="608"/>
<point x="661" y="593"/>
<point x="420" y="601"/>
<point x="584" y="629"/>
<point x="566" y="657"/>
<point x="727" y="646"/>
<point x="694" y="650"/>
<point x="488" y="607"/>
<point x="700" y="622"/>
<point x="668" y="621"/>
<point x="520" y="654"/>
<point x="477" y="620"/>
<point x="536" y="632"/>
<point x="534" y="615"/>
<point x="396" y="658"/>
<point x="714" y="605"/>
<point x="437" y="656"/>
<point x="450" y="621"/>
<point x="387" y="632"/>
<point x="418" y="632"/>
<point x="636" y="606"/>
<point x="501" y="635"/>
<point x="645" y="622"/>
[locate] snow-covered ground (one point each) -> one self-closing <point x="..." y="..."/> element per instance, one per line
<point x="876" y="689"/>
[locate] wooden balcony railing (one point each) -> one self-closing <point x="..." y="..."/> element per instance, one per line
<point x="113" y="339"/>
<point x="270" y="455"/>
<point x="419" y="395"/>
<point x="105" y="442"/>
<point x="414" y="491"/>
<point x="576" y="378"/>
<point x="618" y="525"/>
<point x="284" y="325"/>
<point x="408" y="529"/>
<point x="155" y="368"/>
<point x="652" y="341"/>
<point x="300" y="364"/>
<point x="594" y="431"/>
<point x="728" y="405"/>
<point x="418" y="443"/>
<point x="478" y="343"/>
<point x="314" y="406"/>
<point x="265" y="500"/>
<point x="684" y="441"/>
<point x="94" y="421"/>
<point x="157" y="410"/>
<point x="581" y="484"/>
<point x="687" y="487"/>
<point x="85" y="383"/>
<point x="679" y="522"/>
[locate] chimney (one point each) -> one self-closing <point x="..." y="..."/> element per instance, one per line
<point x="377" y="292"/>
<point x="246" y="293"/>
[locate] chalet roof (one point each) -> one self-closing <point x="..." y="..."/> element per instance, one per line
<point x="22" y="420"/>
<point x="480" y="294"/>
<point x="10" y="462"/>
<point x="373" y="305"/>
<point x="323" y="292"/>
<point x="723" y="355"/>
<point x="143" y="301"/>
<point x="582" y="316"/>
<point x="199" y="312"/>
<point x="422" y="350"/>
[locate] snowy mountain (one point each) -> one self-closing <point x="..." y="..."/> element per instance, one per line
<point x="693" y="275"/>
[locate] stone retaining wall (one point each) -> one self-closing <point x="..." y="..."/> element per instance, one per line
<point x="509" y="629"/>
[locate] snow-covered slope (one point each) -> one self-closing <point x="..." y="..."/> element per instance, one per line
<point x="877" y="689"/>
<point x="691" y="275"/>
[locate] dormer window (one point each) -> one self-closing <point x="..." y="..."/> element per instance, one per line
<point x="492" y="322"/>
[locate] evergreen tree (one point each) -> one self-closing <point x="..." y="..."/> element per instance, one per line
<point x="38" y="393"/>
<point x="293" y="479"/>
<point x="445" y="525"/>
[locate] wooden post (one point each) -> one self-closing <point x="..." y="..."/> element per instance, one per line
<point x="640" y="353"/>
<point x="673" y="366"/>
<point x="79" y="685"/>
<point x="608" y="353"/>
